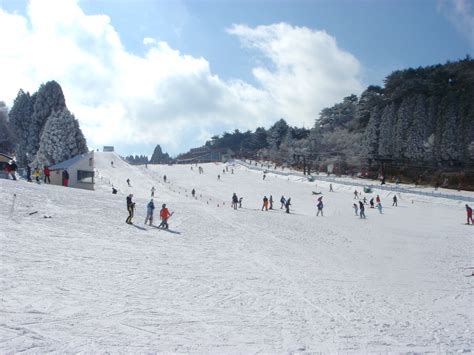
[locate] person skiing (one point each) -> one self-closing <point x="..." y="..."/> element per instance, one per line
<point x="150" y="208"/>
<point x="130" y="208"/>
<point x="469" y="214"/>
<point x="265" y="203"/>
<point x="362" y="210"/>
<point x="13" y="169"/>
<point x="240" y="202"/>
<point x="36" y="174"/>
<point x="320" y="206"/>
<point x="164" y="215"/>
<point x="153" y="191"/>
<point x="46" y="174"/>
<point x="271" y="202"/>
<point x="371" y="202"/>
<point x="28" y="173"/>
<point x="193" y="192"/>
<point x="65" y="178"/>
<point x="235" y="200"/>
<point x="128" y="182"/>
<point x="330" y="188"/>
<point x="287" y="205"/>
<point x="395" y="200"/>
<point x="356" y="209"/>
<point x="379" y="206"/>
<point x="283" y="201"/>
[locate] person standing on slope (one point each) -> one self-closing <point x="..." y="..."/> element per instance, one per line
<point x="287" y="205"/>
<point x="395" y="200"/>
<point x="164" y="215"/>
<point x="330" y="188"/>
<point x="362" y="210"/>
<point x="193" y="192"/>
<point x="46" y="174"/>
<point x="265" y="203"/>
<point x="283" y="201"/>
<point x="153" y="191"/>
<point x="128" y="182"/>
<point x="235" y="200"/>
<point x="320" y="206"/>
<point x="130" y="208"/>
<point x="379" y="206"/>
<point x="371" y="202"/>
<point x="28" y="173"/>
<point x="65" y="178"/>
<point x="356" y="209"/>
<point x="469" y="214"/>
<point x="150" y="208"/>
<point x="36" y="174"/>
<point x="271" y="202"/>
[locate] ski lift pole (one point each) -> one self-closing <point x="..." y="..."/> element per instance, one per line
<point x="13" y="206"/>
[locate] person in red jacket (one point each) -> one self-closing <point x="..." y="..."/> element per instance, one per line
<point x="164" y="215"/>
<point x="46" y="175"/>
<point x="469" y="214"/>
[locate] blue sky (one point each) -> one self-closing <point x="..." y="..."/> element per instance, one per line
<point x="220" y="65"/>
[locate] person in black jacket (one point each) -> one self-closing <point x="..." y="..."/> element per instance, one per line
<point x="287" y="205"/>
<point x="130" y="208"/>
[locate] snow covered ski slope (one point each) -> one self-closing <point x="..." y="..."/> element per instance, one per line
<point x="230" y="281"/>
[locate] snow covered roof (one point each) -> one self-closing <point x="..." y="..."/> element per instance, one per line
<point x="70" y="162"/>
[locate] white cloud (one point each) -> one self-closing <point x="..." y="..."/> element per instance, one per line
<point x="461" y="15"/>
<point x="165" y="96"/>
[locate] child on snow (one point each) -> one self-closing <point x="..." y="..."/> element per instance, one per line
<point x="320" y="206"/>
<point x="164" y="215"/>
<point x="150" y="208"/>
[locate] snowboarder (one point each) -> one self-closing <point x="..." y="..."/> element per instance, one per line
<point x="330" y="188"/>
<point x="371" y="202"/>
<point x="235" y="200"/>
<point x="130" y="208"/>
<point x="356" y="209"/>
<point x="395" y="200"/>
<point x="265" y="203"/>
<point x="193" y="192"/>
<point x="46" y="174"/>
<point x="164" y="215"/>
<point x="320" y="206"/>
<point x="65" y="178"/>
<point x="28" y="173"/>
<point x="362" y="210"/>
<point x="469" y="214"/>
<point x="153" y="191"/>
<point x="283" y="201"/>
<point x="271" y="202"/>
<point x="128" y="182"/>
<point x="287" y="205"/>
<point x="150" y="208"/>
<point x="36" y="174"/>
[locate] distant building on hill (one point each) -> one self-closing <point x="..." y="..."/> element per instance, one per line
<point x="201" y="155"/>
<point x="108" y="148"/>
<point x="80" y="169"/>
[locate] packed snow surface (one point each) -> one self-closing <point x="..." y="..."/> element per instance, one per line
<point x="75" y="278"/>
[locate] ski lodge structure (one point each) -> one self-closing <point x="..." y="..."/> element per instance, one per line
<point x="203" y="155"/>
<point x="80" y="169"/>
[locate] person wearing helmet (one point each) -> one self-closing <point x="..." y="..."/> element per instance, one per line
<point x="164" y="215"/>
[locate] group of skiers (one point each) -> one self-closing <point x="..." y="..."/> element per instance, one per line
<point x="36" y="174"/>
<point x="150" y="209"/>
